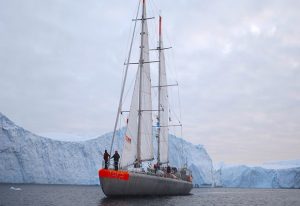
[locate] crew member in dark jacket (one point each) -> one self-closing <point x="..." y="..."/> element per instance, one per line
<point x="106" y="159"/>
<point x="168" y="169"/>
<point x="116" y="157"/>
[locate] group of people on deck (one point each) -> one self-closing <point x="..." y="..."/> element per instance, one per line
<point x="136" y="164"/>
<point x="168" y="171"/>
<point x="116" y="158"/>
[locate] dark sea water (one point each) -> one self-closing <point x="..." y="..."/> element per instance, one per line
<point x="61" y="195"/>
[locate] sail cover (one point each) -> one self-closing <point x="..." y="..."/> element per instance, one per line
<point x="129" y="153"/>
<point x="164" y="113"/>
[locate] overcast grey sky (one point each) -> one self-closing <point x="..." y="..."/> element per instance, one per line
<point x="237" y="62"/>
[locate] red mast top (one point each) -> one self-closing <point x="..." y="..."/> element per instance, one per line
<point x="160" y="25"/>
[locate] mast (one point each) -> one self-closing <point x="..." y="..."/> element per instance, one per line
<point x="141" y="63"/>
<point x="163" y="111"/>
<point x="138" y="144"/>
<point x="159" y="91"/>
<point x="123" y="87"/>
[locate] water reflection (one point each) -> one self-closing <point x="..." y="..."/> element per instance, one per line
<point x="124" y="201"/>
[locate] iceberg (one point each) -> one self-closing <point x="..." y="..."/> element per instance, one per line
<point x="283" y="164"/>
<point x="29" y="158"/>
<point x="15" y="188"/>
<point x="243" y="176"/>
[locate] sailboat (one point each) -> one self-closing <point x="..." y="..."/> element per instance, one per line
<point x="132" y="179"/>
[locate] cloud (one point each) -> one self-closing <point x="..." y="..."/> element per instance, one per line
<point x="254" y="29"/>
<point x="237" y="64"/>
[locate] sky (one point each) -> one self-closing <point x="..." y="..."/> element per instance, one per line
<point x="237" y="64"/>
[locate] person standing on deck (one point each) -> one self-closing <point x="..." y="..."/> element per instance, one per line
<point x="116" y="157"/>
<point x="136" y="163"/>
<point x="106" y="159"/>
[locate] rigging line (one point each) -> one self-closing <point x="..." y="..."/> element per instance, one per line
<point x="120" y="133"/>
<point x="171" y="97"/>
<point x="171" y="58"/>
<point x="182" y="152"/>
<point x="179" y="104"/>
<point x="133" y="80"/>
<point x="122" y="90"/>
<point x="128" y="90"/>
<point x="151" y="25"/>
<point x="173" y="110"/>
<point x="129" y="38"/>
<point x="155" y="13"/>
<point x="173" y="107"/>
<point x="184" y="155"/>
<point x="168" y="65"/>
<point x="176" y="117"/>
<point x="148" y="76"/>
<point x="153" y="31"/>
<point x="169" y="61"/>
<point x="181" y="132"/>
<point x="154" y="7"/>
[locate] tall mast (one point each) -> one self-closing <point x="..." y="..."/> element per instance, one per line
<point x="123" y="87"/>
<point x="159" y="91"/>
<point x="141" y="63"/>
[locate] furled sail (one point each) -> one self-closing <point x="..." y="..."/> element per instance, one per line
<point x="146" y="115"/>
<point x="164" y="110"/>
<point x="129" y="154"/>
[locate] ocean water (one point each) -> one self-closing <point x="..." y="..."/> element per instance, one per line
<point x="52" y="195"/>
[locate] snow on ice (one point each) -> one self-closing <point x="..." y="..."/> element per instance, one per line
<point x="29" y="158"/>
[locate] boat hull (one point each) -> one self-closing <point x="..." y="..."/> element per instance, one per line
<point x="138" y="184"/>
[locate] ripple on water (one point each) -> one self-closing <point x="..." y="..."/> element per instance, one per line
<point x="92" y="195"/>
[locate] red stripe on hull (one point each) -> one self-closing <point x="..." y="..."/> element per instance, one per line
<point x="122" y="175"/>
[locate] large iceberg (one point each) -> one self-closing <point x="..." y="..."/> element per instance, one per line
<point x="29" y="158"/>
<point x="258" y="176"/>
